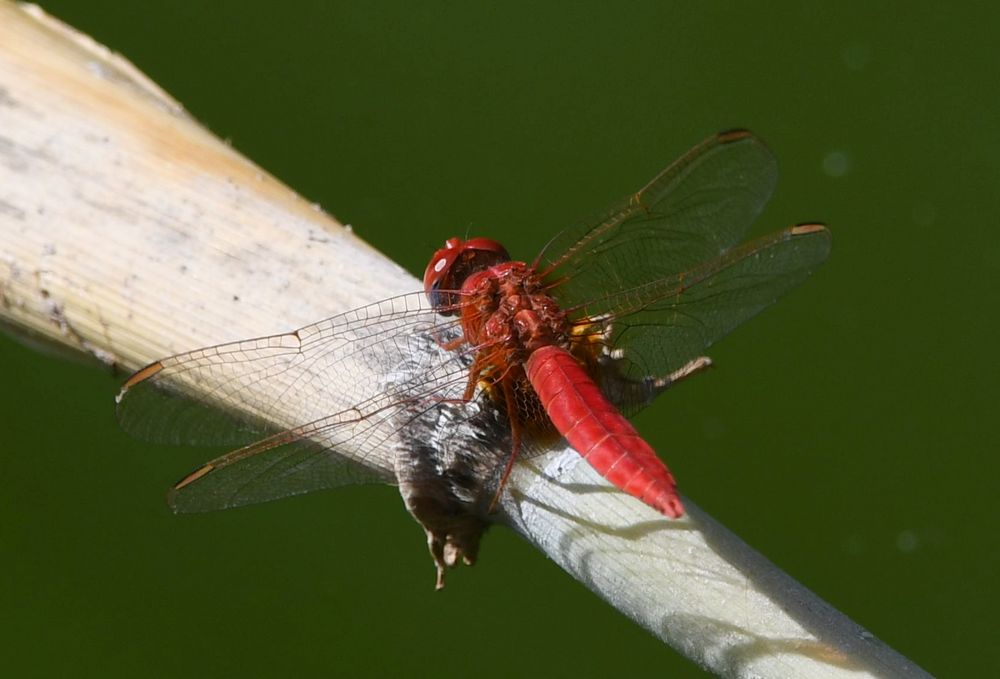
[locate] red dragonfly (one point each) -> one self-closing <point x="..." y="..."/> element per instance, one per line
<point x="607" y="317"/>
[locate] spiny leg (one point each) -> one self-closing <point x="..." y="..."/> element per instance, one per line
<point x="692" y="367"/>
<point x="656" y="385"/>
<point x="515" y="437"/>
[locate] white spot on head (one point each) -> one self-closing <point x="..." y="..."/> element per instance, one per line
<point x="440" y="265"/>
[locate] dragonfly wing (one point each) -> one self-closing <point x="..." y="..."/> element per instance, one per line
<point x="656" y="329"/>
<point x="232" y="394"/>
<point x="353" y="446"/>
<point x="328" y="399"/>
<point x="693" y="211"/>
<point x="288" y="463"/>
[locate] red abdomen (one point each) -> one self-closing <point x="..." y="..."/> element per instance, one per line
<point x="595" y="428"/>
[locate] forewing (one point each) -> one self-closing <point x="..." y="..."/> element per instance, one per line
<point x="693" y="211"/>
<point x="657" y="328"/>
<point x="233" y="394"/>
<point x="327" y="398"/>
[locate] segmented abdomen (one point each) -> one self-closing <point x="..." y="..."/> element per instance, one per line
<point x="595" y="428"/>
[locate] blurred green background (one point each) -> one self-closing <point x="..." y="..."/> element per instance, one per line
<point x="848" y="433"/>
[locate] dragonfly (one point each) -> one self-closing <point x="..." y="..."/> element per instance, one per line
<point x="610" y="314"/>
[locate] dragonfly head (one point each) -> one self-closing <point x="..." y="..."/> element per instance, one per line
<point x="452" y="264"/>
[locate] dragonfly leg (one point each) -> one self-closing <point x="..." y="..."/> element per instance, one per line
<point x="623" y="390"/>
<point x="692" y="367"/>
<point x="654" y="386"/>
<point x="515" y="436"/>
<point x="451" y="345"/>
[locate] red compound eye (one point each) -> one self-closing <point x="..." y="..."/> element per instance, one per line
<point x="456" y="261"/>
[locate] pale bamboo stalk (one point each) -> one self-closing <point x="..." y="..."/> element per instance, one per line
<point x="128" y="232"/>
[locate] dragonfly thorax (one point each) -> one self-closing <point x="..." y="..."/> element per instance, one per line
<point x="506" y="308"/>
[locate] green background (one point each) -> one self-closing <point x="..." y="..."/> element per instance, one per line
<point x="848" y="433"/>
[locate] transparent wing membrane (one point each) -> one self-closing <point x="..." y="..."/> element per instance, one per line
<point x="693" y="211"/>
<point x="659" y="327"/>
<point x="352" y="446"/>
<point x="367" y="367"/>
<point x="231" y="394"/>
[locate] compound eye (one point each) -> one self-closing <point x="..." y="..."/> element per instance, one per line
<point x="440" y="265"/>
<point x="450" y="266"/>
<point x="487" y="249"/>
